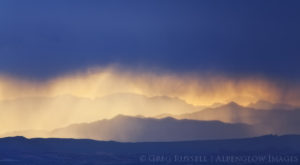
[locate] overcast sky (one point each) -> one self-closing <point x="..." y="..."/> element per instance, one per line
<point x="42" y="39"/>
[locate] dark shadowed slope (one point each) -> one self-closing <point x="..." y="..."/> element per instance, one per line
<point x="263" y="143"/>
<point x="19" y="150"/>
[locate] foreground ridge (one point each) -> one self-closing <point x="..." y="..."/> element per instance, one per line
<point x="275" y="149"/>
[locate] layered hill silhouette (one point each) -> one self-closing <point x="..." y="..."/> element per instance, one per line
<point x="135" y="129"/>
<point x="276" y="121"/>
<point x="56" y="112"/>
<point x="260" y="150"/>
<point x="219" y="122"/>
<point x="265" y="105"/>
<point x="139" y="129"/>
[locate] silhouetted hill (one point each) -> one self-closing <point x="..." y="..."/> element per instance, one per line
<point x="125" y="128"/>
<point x="274" y="121"/>
<point x="137" y="129"/>
<point x="265" y="105"/>
<point x="269" y="149"/>
<point x="230" y="113"/>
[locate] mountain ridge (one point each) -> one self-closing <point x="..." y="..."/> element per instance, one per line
<point x="20" y="150"/>
<point x="137" y="129"/>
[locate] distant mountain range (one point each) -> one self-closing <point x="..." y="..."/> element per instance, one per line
<point x="260" y="150"/>
<point x="276" y="121"/>
<point x="139" y="129"/>
<point x="265" y="105"/>
<point x="56" y="112"/>
<point x="125" y="128"/>
<point x="221" y="121"/>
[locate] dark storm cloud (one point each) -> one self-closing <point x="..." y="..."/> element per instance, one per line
<point x="42" y="39"/>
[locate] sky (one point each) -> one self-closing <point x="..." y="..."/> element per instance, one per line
<point x="44" y="39"/>
<point x="200" y="52"/>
